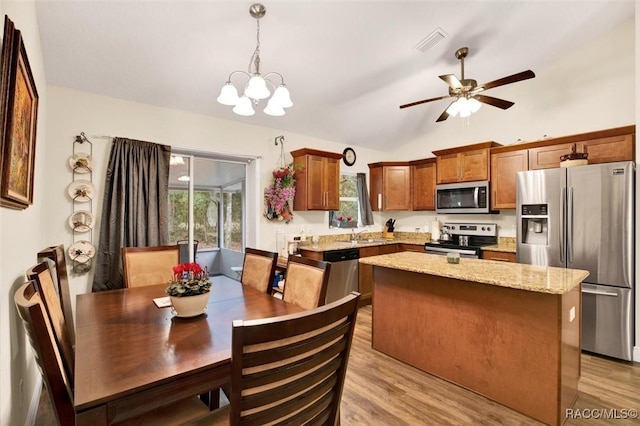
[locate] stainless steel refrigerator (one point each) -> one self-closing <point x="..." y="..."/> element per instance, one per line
<point x="583" y="218"/>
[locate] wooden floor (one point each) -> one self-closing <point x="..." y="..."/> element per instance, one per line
<point x="382" y="391"/>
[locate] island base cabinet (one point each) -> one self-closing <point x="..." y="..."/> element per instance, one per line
<point x="519" y="348"/>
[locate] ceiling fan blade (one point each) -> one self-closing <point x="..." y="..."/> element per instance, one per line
<point x="424" y="101"/>
<point x="500" y="103"/>
<point x="452" y="81"/>
<point x="524" y="75"/>
<point x="445" y="114"/>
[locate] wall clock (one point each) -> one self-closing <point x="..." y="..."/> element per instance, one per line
<point x="349" y="156"/>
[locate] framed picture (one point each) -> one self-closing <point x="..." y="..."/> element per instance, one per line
<point x="19" y="108"/>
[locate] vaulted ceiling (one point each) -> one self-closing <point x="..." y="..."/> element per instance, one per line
<point x="348" y="64"/>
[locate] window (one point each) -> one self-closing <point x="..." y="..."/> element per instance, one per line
<point x="349" y="214"/>
<point x="232" y="217"/>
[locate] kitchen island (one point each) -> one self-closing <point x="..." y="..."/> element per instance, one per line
<point x="510" y="332"/>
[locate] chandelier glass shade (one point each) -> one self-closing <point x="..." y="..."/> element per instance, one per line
<point x="257" y="86"/>
<point x="464" y="106"/>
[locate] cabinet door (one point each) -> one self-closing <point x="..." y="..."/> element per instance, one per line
<point x="547" y="157"/>
<point x="474" y="165"/>
<point x="332" y="184"/>
<point x="388" y="248"/>
<point x="610" y="150"/>
<point x="365" y="275"/>
<point x="396" y="188"/>
<point x="315" y="193"/>
<point x="375" y="188"/>
<point x="448" y="168"/>
<point x="504" y="166"/>
<point x="423" y="186"/>
<point x="418" y="248"/>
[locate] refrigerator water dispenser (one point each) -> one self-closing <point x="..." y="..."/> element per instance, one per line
<point x="535" y="224"/>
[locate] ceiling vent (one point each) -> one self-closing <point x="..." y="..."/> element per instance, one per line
<point x="431" y="41"/>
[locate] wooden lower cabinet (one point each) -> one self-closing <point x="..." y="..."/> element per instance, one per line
<point x="365" y="272"/>
<point x="498" y="255"/>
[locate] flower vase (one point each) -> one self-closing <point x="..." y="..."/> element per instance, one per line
<point x="189" y="306"/>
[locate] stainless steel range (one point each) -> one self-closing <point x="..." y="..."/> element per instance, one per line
<point x="466" y="239"/>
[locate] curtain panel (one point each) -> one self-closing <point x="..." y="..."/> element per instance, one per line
<point x="363" y="199"/>
<point x="134" y="208"/>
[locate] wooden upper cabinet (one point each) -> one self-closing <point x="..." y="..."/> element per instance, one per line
<point x="423" y="184"/>
<point x="463" y="164"/>
<point x="604" y="146"/>
<point x="504" y="166"/>
<point x="317" y="179"/>
<point x="390" y="186"/>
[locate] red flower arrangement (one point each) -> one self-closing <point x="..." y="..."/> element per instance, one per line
<point x="189" y="279"/>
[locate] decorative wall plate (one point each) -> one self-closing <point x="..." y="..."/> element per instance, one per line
<point x="81" y="190"/>
<point x="82" y="251"/>
<point x="81" y="221"/>
<point x="81" y="162"/>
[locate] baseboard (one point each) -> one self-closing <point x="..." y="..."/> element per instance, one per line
<point x="33" y="405"/>
<point x="636" y="353"/>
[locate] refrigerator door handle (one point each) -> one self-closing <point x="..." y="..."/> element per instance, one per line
<point x="569" y="225"/>
<point x="475" y="196"/>
<point x="599" y="293"/>
<point x="563" y="224"/>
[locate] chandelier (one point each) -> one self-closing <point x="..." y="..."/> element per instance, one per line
<point x="257" y="87"/>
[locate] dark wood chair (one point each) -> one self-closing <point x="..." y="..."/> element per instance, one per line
<point x="306" y="282"/>
<point x="183" y="247"/>
<point x="290" y="369"/>
<point x="57" y="255"/>
<point x="144" y="266"/>
<point x="41" y="336"/>
<point x="259" y="269"/>
<point x="42" y="279"/>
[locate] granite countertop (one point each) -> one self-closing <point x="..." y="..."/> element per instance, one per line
<point x="342" y="241"/>
<point x="505" y="244"/>
<point x="540" y="279"/>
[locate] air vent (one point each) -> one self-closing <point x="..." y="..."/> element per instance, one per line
<point x="431" y="41"/>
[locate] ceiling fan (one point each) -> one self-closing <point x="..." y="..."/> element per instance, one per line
<point x="467" y="91"/>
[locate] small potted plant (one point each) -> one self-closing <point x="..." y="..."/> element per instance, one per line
<point x="189" y="290"/>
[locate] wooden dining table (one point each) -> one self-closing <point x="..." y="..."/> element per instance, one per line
<point x="131" y="356"/>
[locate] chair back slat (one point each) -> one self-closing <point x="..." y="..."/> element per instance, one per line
<point x="40" y="333"/>
<point x="259" y="269"/>
<point x="40" y="275"/>
<point x="145" y="266"/>
<point x="306" y="282"/>
<point x="58" y="256"/>
<point x="291" y="369"/>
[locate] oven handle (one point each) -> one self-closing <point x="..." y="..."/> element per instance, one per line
<point x="450" y="250"/>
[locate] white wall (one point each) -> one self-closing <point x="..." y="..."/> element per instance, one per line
<point x="21" y="234"/>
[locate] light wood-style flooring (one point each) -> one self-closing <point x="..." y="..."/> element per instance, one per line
<point x="382" y="391"/>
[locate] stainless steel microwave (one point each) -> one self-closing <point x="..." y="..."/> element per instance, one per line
<point x="465" y="197"/>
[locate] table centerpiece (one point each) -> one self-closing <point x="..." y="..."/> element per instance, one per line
<point x="189" y="290"/>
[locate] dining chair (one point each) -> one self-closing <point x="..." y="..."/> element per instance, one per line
<point x="41" y="336"/>
<point x="144" y="266"/>
<point x="56" y="254"/>
<point x="306" y="282"/>
<point x="42" y="279"/>
<point x="259" y="269"/>
<point x="289" y="369"/>
<point x="183" y="246"/>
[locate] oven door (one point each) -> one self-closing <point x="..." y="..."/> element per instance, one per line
<point x="472" y="197"/>
<point x="469" y="253"/>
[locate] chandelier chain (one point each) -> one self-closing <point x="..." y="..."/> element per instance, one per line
<point x="255" y="58"/>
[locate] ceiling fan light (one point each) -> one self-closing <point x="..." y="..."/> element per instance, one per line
<point x="454" y="108"/>
<point x="283" y="97"/>
<point x="474" y="105"/>
<point x="274" y="108"/>
<point x="257" y="88"/>
<point x="228" y="94"/>
<point x="244" y="107"/>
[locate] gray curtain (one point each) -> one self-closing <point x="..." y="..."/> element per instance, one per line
<point x="135" y="206"/>
<point x="363" y="199"/>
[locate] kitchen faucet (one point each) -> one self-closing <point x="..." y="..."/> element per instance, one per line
<point x="356" y="235"/>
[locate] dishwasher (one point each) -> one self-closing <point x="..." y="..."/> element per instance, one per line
<point x="343" y="277"/>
